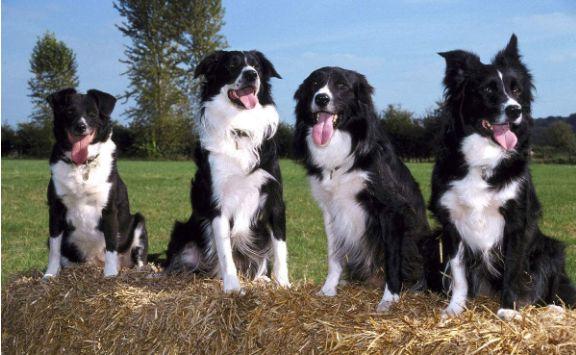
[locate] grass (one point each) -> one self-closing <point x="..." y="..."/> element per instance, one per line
<point x="160" y="190"/>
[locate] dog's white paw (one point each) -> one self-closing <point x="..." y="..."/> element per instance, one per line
<point x="48" y="276"/>
<point x="508" y="314"/>
<point x="232" y="285"/>
<point x="327" y="292"/>
<point x="555" y="309"/>
<point x="384" y="306"/>
<point x="110" y="272"/>
<point x="111" y="264"/>
<point x="388" y="300"/>
<point x="452" y="310"/>
<point x="262" y="278"/>
<point x="283" y="283"/>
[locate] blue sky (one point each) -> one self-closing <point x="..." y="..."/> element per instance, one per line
<point x="394" y="43"/>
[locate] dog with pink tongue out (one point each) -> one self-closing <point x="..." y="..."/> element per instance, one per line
<point x="237" y="226"/>
<point x="482" y="191"/>
<point x="89" y="211"/>
<point x="374" y="214"/>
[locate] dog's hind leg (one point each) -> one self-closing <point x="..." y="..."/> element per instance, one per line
<point x="139" y="249"/>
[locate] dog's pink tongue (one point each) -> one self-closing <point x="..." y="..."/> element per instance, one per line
<point x="324" y="129"/>
<point x="80" y="145"/>
<point x="247" y="97"/>
<point x="504" y="136"/>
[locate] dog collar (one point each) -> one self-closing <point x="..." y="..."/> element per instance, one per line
<point x="67" y="160"/>
<point x="86" y="166"/>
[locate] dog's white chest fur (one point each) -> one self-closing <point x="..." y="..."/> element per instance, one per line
<point x="473" y="205"/>
<point x="337" y="190"/>
<point x="84" y="190"/>
<point x="237" y="189"/>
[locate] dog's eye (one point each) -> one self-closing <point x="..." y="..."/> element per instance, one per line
<point x="516" y="90"/>
<point x="489" y="90"/>
<point x="342" y="86"/>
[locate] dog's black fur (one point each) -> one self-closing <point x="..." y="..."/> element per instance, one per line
<point x="529" y="265"/>
<point x="218" y="70"/>
<point x="397" y="231"/>
<point x="80" y="115"/>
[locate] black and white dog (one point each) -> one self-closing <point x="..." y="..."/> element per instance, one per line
<point x="374" y="213"/>
<point x="89" y="215"/>
<point x="238" y="220"/>
<point x="482" y="191"/>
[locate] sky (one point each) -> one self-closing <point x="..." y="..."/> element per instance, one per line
<point x="394" y="43"/>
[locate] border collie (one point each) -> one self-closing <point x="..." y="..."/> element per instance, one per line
<point x="374" y="213"/>
<point x="482" y="191"/>
<point x="89" y="215"/>
<point x="238" y="220"/>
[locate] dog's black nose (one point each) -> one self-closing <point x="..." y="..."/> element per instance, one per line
<point x="322" y="100"/>
<point x="80" y="127"/>
<point x="513" y="111"/>
<point x="250" y="75"/>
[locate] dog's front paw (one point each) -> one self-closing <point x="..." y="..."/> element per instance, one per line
<point x="387" y="302"/>
<point x="327" y="292"/>
<point x="452" y="310"/>
<point x="508" y="314"/>
<point x="232" y="285"/>
<point x="283" y="282"/>
<point x="263" y="279"/>
<point x="48" y="276"/>
<point x="111" y="264"/>
<point x="552" y="308"/>
<point x="110" y="272"/>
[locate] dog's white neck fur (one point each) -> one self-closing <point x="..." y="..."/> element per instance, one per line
<point x="335" y="155"/>
<point x="221" y="118"/>
<point x="473" y="204"/>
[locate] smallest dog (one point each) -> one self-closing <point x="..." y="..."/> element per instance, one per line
<point x="90" y="218"/>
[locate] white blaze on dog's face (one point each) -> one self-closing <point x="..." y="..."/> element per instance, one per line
<point x="328" y="100"/>
<point x="241" y="77"/>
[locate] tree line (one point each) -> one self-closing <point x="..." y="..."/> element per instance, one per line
<point x="167" y="39"/>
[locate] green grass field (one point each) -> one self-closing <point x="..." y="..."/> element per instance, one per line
<point x="160" y="191"/>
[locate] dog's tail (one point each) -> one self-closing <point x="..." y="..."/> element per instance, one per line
<point x="552" y="267"/>
<point x="184" y="252"/>
<point x="138" y="240"/>
<point x="431" y="254"/>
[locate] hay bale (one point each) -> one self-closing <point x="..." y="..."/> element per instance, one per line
<point x="81" y="312"/>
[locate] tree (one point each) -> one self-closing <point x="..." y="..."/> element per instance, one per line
<point x="9" y="141"/>
<point x="403" y="131"/>
<point x="561" y="136"/>
<point x="283" y="137"/>
<point x="53" y="66"/>
<point x="168" y="40"/>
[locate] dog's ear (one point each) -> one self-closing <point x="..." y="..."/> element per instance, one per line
<point x="459" y="64"/>
<point x="299" y="94"/>
<point x="363" y="90"/>
<point x="511" y="49"/>
<point x="60" y="98"/>
<point x="509" y="55"/>
<point x="208" y="64"/>
<point x="267" y="66"/>
<point x="104" y="101"/>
